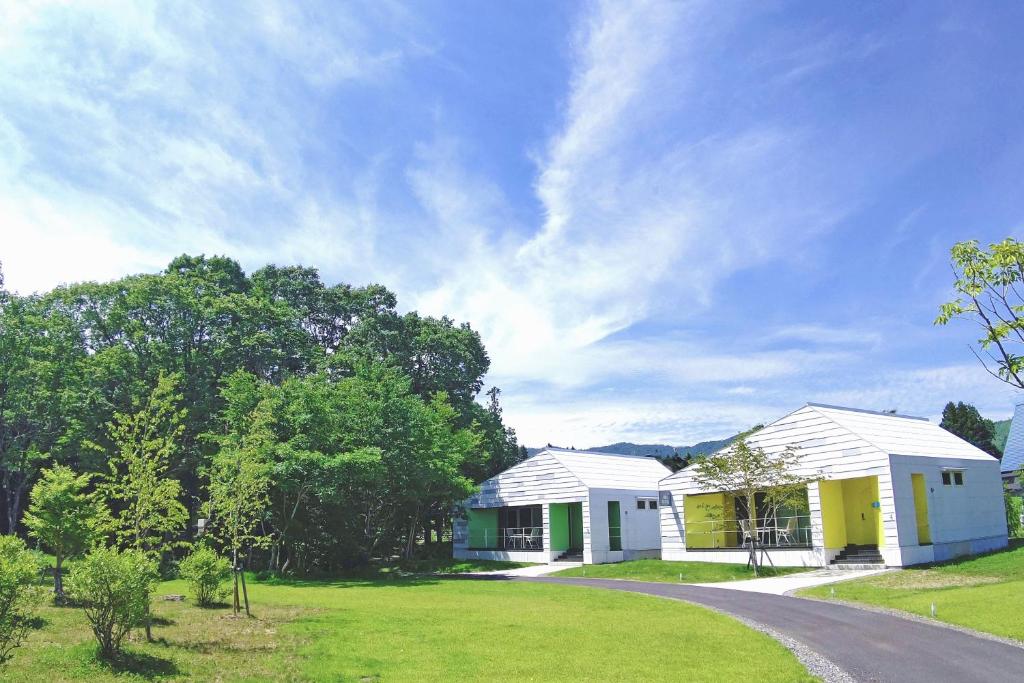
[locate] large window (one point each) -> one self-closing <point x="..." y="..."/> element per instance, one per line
<point x="721" y="520"/>
<point x="521" y="527"/>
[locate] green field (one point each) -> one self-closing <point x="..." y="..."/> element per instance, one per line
<point x="669" y="572"/>
<point x="984" y="593"/>
<point x="416" y="629"/>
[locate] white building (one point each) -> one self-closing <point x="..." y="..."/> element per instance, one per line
<point x="597" y="507"/>
<point x="889" y="488"/>
<point x="1013" y="453"/>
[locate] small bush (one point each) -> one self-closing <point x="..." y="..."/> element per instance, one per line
<point x="114" y="589"/>
<point x="1014" y="511"/>
<point x="206" y="574"/>
<point x="20" y="593"/>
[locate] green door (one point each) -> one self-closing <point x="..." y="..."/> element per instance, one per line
<point x="614" y="526"/>
<point x="576" y="526"/>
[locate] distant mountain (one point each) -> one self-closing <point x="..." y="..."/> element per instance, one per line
<point x="652" y="450"/>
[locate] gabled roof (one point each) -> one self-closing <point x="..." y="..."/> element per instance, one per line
<point x="1013" y="454"/>
<point x="837" y="439"/>
<point x="901" y="434"/>
<point x="610" y="470"/>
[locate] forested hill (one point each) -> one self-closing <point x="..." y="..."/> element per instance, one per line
<point x="654" y="450"/>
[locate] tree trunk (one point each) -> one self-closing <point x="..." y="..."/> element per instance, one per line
<point x="58" y="582"/>
<point x="245" y="594"/>
<point x="410" y="546"/>
<point x="234" y="571"/>
<point x="752" y="520"/>
<point x="149" y="625"/>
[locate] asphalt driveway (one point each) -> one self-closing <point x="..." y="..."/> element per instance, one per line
<point x="870" y="646"/>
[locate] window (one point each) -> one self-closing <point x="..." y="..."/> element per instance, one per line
<point x="952" y="477"/>
<point x="652" y="504"/>
<point x="646" y="504"/>
<point x="641" y="504"/>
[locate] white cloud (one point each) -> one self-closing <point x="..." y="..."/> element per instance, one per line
<point x="133" y="132"/>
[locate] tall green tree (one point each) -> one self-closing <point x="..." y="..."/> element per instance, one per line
<point x="40" y="395"/>
<point x="964" y="420"/>
<point x="239" y="486"/>
<point x="149" y="514"/>
<point x="65" y="517"/>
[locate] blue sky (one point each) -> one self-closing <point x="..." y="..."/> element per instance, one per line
<point x="669" y="221"/>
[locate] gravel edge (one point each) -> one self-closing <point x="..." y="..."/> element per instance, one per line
<point x="815" y="663"/>
<point x="912" y="617"/>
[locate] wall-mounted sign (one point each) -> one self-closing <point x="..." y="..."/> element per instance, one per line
<point x="665" y="498"/>
<point x="876" y="504"/>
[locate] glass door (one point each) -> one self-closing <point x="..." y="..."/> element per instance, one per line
<point x="614" y="526"/>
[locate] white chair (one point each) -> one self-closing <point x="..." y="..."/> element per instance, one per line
<point x="785" y="534"/>
<point x="745" y="530"/>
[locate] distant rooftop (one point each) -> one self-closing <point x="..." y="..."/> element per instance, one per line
<point x="610" y="470"/>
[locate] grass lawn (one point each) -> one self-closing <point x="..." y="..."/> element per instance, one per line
<point x="416" y="629"/>
<point x="668" y="572"/>
<point x="453" y="566"/>
<point x="984" y="593"/>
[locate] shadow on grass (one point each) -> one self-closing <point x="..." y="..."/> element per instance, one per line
<point x="350" y="581"/>
<point x="140" y="664"/>
<point x="36" y="622"/>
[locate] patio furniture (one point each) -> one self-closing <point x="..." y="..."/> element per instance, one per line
<point x="785" y="534"/>
<point x="745" y="531"/>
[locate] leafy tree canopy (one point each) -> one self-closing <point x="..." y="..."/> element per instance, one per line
<point x="965" y="421"/>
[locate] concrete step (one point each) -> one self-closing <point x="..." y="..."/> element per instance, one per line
<point x="848" y="566"/>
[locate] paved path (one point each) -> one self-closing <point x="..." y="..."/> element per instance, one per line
<point x="870" y="646"/>
<point x="781" y="585"/>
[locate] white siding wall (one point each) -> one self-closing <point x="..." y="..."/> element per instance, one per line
<point x="536" y="481"/>
<point x="962" y="519"/>
<point x="640" y="528"/>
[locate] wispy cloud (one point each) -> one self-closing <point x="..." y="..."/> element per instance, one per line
<point x="661" y="253"/>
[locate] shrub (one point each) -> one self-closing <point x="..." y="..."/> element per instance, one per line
<point x="206" y="574"/>
<point x="1014" y="511"/>
<point x="114" y="590"/>
<point x="20" y="593"/>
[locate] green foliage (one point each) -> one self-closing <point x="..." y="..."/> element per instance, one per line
<point x="989" y="285"/>
<point x="64" y="517"/>
<point x="114" y="588"/>
<point x="965" y="421"/>
<point x="1014" y="511"/>
<point x="149" y="510"/>
<point x="19" y="593"/>
<point x="1000" y="433"/>
<point x="350" y="383"/>
<point x="206" y="574"/>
